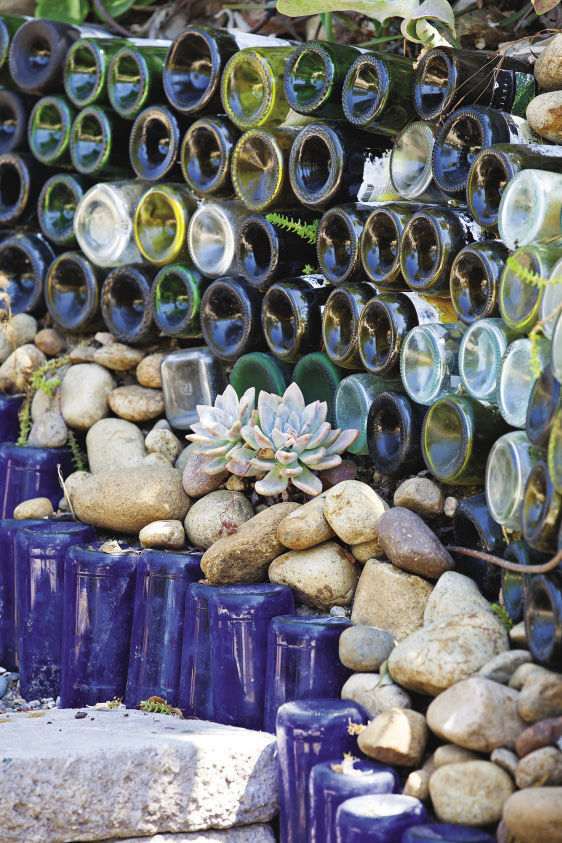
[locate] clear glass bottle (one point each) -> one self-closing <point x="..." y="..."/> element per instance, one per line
<point x="555" y="451"/>
<point x="542" y="510"/>
<point x="49" y="130"/>
<point x="99" y="144"/>
<point x="135" y="79"/>
<point x="72" y="292"/>
<point x="104" y="223"/>
<point x="206" y="155"/>
<point x="260" y="168"/>
<point x="291" y="316"/>
<point x="86" y="68"/>
<point x="550" y="303"/>
<point x="394" y="433"/>
<point x="530" y="208"/>
<point x="21" y="179"/>
<point x="429" y="361"/>
<point x="318" y="379"/>
<point x="231" y="319"/>
<point x="176" y="300"/>
<point x="340" y="325"/>
<point x="380" y="243"/>
<point x="161" y="221"/>
<point x="515" y="378"/>
<point x="24" y="261"/>
<point x="154" y="144"/>
<point x="556" y="350"/>
<point x="337" y="243"/>
<point x="481" y="350"/>
<point x="125" y="303"/>
<point x="510" y="461"/>
<point x="262" y="372"/>
<point x="212" y="235"/>
<point x="354" y="397"/>
<point x="475" y="280"/>
<point x="519" y="299"/>
<point x="57" y="205"/>
<point x="314" y="78"/>
<point x="190" y="377"/>
<point x="14" y="110"/>
<point x="544" y="401"/>
<point x="411" y="173"/>
<point x="376" y="93"/>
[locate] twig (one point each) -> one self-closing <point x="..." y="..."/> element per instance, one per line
<point x="543" y="568"/>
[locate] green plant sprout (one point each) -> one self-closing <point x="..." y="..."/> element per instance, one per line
<point x="308" y="231"/>
<point x="503" y="615"/>
<point x="158" y="705"/>
<point x="41" y="380"/>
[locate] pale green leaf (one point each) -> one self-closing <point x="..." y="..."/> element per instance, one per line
<point x="66" y="11"/>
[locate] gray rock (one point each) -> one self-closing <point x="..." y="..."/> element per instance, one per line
<point x="43" y="403"/>
<point x="352" y="509"/>
<point x="118" y="356"/>
<point x="364" y="688"/>
<point x="535" y="814"/>
<point x="114" y="443"/>
<point x="148" y="371"/>
<point x="421" y="495"/>
<point x="82" y="354"/>
<point x="169" y="535"/>
<point x="450" y="507"/>
<point x="321" y="576"/>
<point x="132" y="774"/>
<point x="454" y="595"/>
<point x="84" y="393"/>
<point x="163" y="441"/>
<point x="196" y="481"/>
<point x="523" y="673"/>
<point x="501" y="668"/>
<point x="218" y="514"/>
<point x="33" y="508"/>
<point x="19" y="331"/>
<point x="364" y="648"/>
<point x="136" y="403"/>
<point x="541" y="697"/>
<point x="49" y="431"/>
<point x="16" y="370"/>
<point x="506" y="759"/>
<point x="396" y="736"/>
<point x="183" y="457"/>
<point x="411" y="545"/>
<point x="472" y="793"/>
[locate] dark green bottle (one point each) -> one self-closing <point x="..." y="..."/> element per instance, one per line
<point x="377" y="93"/>
<point x="314" y="78"/>
<point x="260" y="169"/>
<point x="262" y="371"/>
<point x="542" y="510"/>
<point x="21" y="179"/>
<point x="24" y="261"/>
<point x="291" y="316"/>
<point x="72" y="292"/>
<point x="14" y="110"/>
<point x="340" y="325"/>
<point x="125" y="303"/>
<point x="56" y="205"/>
<point x="268" y="252"/>
<point x="337" y="245"/>
<point x="49" y="131"/>
<point x="135" y="79"/>
<point x="86" y="70"/>
<point x="380" y="243"/>
<point x="9" y="25"/>
<point x="319" y="379"/>
<point x="515" y="585"/>
<point x="99" y="144"/>
<point x="154" y="144"/>
<point x="231" y="319"/>
<point x="475" y="280"/>
<point x="393" y="434"/>
<point x="176" y="300"/>
<point x="543" y="618"/>
<point x="206" y="155"/>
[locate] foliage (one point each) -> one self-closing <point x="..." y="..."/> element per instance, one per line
<point x="308" y="231"/>
<point x="503" y="615"/>
<point x="158" y="705"/>
<point x="41" y="380"/>
<point x="77" y="455"/>
<point x="76" y="11"/>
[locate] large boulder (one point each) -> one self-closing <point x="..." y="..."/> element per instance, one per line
<point x="84" y="395"/>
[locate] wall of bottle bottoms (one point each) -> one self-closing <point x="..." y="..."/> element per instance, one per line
<point x="208" y="188"/>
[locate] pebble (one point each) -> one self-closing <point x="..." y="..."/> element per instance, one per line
<point x="84" y="394"/>
<point x="523" y="673"/>
<point x="49" y="431"/>
<point x="148" y="371"/>
<point x="346" y="470"/>
<point x="82" y="354"/>
<point x="541" y="697"/>
<point x="104" y="338"/>
<point x="114" y="443"/>
<point x="411" y="545"/>
<point x="543" y="733"/>
<point x="541" y="767"/>
<point x="169" y="535"/>
<point x="364" y="648"/>
<point x="367" y="550"/>
<point x="518" y="636"/>
<point x="396" y="736"/>
<point x="454" y="595"/>
<point x="21" y="329"/>
<point x="506" y="759"/>
<point x="157" y="459"/>
<point x="544" y="115"/>
<point x="339" y="612"/>
<point x="534" y="815"/>
<point x="235" y="484"/>
<point x="449" y="753"/>
<point x="472" y="793"/>
<point x="118" y="357"/>
<point x="421" y="495"/>
<point x="43" y="403"/>
<point x="320" y="576"/>
<point x="33" y="508"/>
<point x="417" y="785"/>
<point x="548" y="66"/>
<point x="390" y="599"/>
<point x="501" y="668"/>
<point x="450" y="507"/>
<point x="50" y="342"/>
<point x="306" y="526"/>
<point x="136" y="403"/>
<point x="163" y="441"/>
<point x="217" y="514"/>
<point x="16" y="370"/>
<point x="195" y="480"/>
<point x="353" y="509"/>
<point x="364" y="688"/>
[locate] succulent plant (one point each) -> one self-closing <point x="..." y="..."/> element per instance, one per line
<point x="284" y="439"/>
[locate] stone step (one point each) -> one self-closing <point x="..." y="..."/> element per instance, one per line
<point x="125" y="774"/>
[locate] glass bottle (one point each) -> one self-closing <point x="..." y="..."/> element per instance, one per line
<point x="457" y="435"/>
<point x="475" y="278"/>
<point x="195" y="62"/>
<point x="21" y="179"/>
<point x="291" y="316"/>
<point x="515" y="378"/>
<point x="261" y="371"/>
<point x="429" y="361"/>
<point x="231" y="318"/>
<point x="542" y="509"/>
<point x="86" y="70"/>
<point x="314" y="78"/>
<point x="9" y="25"/>
<point x="154" y="144"/>
<point x="252" y="89"/>
<point x="340" y="324"/>
<point x="72" y="291"/>
<point x="354" y="397"/>
<point x="176" y="300"/>
<point x="519" y="299"/>
<point x="266" y="252"/>
<point x="14" y="110"/>
<point x="556" y="350"/>
<point x="555" y="452"/>
<point x="543" y="618"/>
<point x="125" y="303"/>
<point x="474" y="527"/>
<point x="318" y="379"/>
<point x="104" y="222"/>
<point x="530" y="208"/>
<point x="161" y="222"/>
<point x="190" y="377"/>
<point x="212" y="236"/>
<point x="430" y="241"/>
<point x="206" y="155"/>
<point x="337" y="243"/>
<point x="394" y="428"/>
<point x="49" y="130"/>
<point x="98" y="144"/>
<point x="260" y="168"/>
<point x="463" y="135"/>
<point x="57" y="205"/>
<point x="135" y="79"/>
<point x="24" y="260"/>
<point x="510" y="461"/>
<point x="494" y="167"/>
<point x="386" y="319"/>
<point x="550" y="302"/>
<point x="481" y="350"/>
<point x="446" y="77"/>
<point x="514" y="585"/>
<point x="410" y="168"/>
<point x="380" y="243"/>
<point x="376" y="93"/>
<point x="544" y="401"/>
<point x="37" y="54"/>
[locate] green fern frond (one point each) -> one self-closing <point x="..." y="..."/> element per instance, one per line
<point x="503" y="615"/>
<point x="308" y="231"/>
<point x="528" y="275"/>
<point x="77" y="455"/>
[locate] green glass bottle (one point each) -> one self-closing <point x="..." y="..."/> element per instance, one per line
<point x="516" y="377"/>
<point x="262" y="371"/>
<point x="206" y="155"/>
<point x="268" y="252"/>
<point x="21" y="179"/>
<point x="509" y="464"/>
<point x="542" y="510"/>
<point x="14" y="113"/>
<point x="154" y="144"/>
<point x="555" y="451"/>
<point x="411" y="173"/>
<point x="519" y="299"/>
<point x="86" y="68"/>
<point x="377" y="93"/>
<point x="530" y="208"/>
<point x="380" y="243"/>
<point x="176" y="293"/>
<point x="72" y="292"/>
<point x="337" y="243"/>
<point x="161" y="221"/>
<point x="99" y="144"/>
<point x="291" y="316"/>
<point x="318" y="379"/>
<point x="260" y="169"/>
<point x="475" y="280"/>
<point x="480" y="353"/>
<point x="135" y="79"/>
<point x="49" y="131"/>
<point x="354" y="398"/>
<point x="314" y="78"/>
<point x="340" y="324"/>
<point x="56" y="206"/>
<point x="9" y="25"/>
<point x="429" y="361"/>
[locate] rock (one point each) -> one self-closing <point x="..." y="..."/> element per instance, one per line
<point x="158" y="460"/>
<point x="148" y="371"/>
<point x="49" y="431"/>
<point x="82" y="354"/>
<point x="411" y="545"/>
<point x="364" y="648"/>
<point x="21" y="329"/>
<point x="346" y="470"/>
<point x="16" y="370"/>
<point x="217" y="514"/>
<point x="195" y="481"/>
<point x="320" y="576"/>
<point x="136" y="403"/>
<point x="169" y="535"/>
<point x="43" y="403"/>
<point x="50" y="342"/>
<point x="235" y="484"/>
<point x="72" y="482"/>
<point x="541" y="697"/>
<point x="543" y="733"/>
<point x="133" y="774"/>
<point x="450" y="507"/>
<point x="421" y="495"/>
<point x="518" y="636"/>
<point x="534" y="815"/>
<point x="255" y="833"/>
<point x="454" y="595"/>
<point x="306" y="526"/>
<point x="541" y="767"/>
<point x="477" y="714"/>
<point x="505" y="759"/>
<point x="544" y="115"/>
<point x="33" y="508"/>
<point x="397" y="736"/>
<point x="367" y="550"/>
<point x="449" y="753"/>
<point x="472" y="793"/>
<point x="126" y="500"/>
<point x="118" y="357"/>
<point x="364" y="689"/>
<point x="84" y="394"/>
<point x="183" y="457"/>
<point x="501" y="668"/>
<point x="246" y="555"/>
<point x="548" y="66"/>
<point x="352" y="509"/>
<point x="390" y="599"/>
<point x="417" y="785"/>
<point x="114" y="443"/>
<point x="523" y="674"/>
<point x="444" y="652"/>
<point x="163" y="441"/>
<point x="104" y="337"/>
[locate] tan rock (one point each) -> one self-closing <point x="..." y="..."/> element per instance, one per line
<point x="320" y="576"/>
<point x="390" y="599"/>
<point x="84" y="394"/>
<point x="449" y="753"/>
<point x="518" y="636"/>
<point x="196" y="481"/>
<point x="364" y="688"/>
<point x="420" y="494"/>
<point x="33" y="508"/>
<point x="118" y="357"/>
<point x="417" y="785"/>
<point x="524" y="672"/>
<point x="168" y="535"/>
<point x="16" y="370"/>
<point x="548" y="66"/>
<point x="21" y="329"/>
<point x="544" y="115"/>
<point x="541" y="697"/>
<point x="541" y="767"/>
<point x="72" y="482"/>
<point x="454" y="595"/>
<point x="163" y="441"/>
<point x="148" y="371"/>
<point x="352" y="509"/>
<point x="506" y="759"/>
<point x="43" y="403"/>
<point x="50" y="342"/>
<point x="82" y="354"/>
<point x="367" y="550"/>
<point x="501" y="668"/>
<point x="217" y="514"/>
<point x="136" y="403"/>
<point x="104" y="337"/>
<point x="397" y="736"/>
<point x="114" y="443"/>
<point x="157" y="459"/>
<point x="306" y="526"/>
<point x="534" y="815"/>
<point x="472" y="793"/>
<point x="49" y="431"/>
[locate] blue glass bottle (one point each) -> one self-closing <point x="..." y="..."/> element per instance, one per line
<point x="9" y="419"/>
<point x="329" y="786"/>
<point x="302" y="661"/>
<point x="31" y="473"/>
<point x="195" y="696"/>
<point x="99" y="590"/>
<point x="445" y="833"/>
<point x="239" y="617"/>
<point x="156" y="638"/>
<point x="309" y="732"/>
<point x="40" y="552"/>
<point x="378" y="818"/>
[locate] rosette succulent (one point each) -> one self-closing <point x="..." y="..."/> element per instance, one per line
<point x="283" y="440"/>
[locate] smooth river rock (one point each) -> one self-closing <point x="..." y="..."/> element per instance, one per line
<point x="118" y="357"/>
<point x="534" y="815"/>
<point x="305" y="527"/>
<point x="442" y="653"/>
<point x="544" y="115"/>
<point x="353" y="509"/>
<point x="396" y="736"/>
<point x="136" y="403"/>
<point x="16" y="370"/>
<point x="196" y="481"/>
<point x="49" y="431"/>
<point x="411" y="545"/>
<point x="472" y="793"/>
<point x="454" y="595"/>
<point x="548" y="66"/>
<point x="544" y="733"/>
<point x="420" y="494"/>
<point x="49" y="341"/>
<point x="148" y="371"/>
<point x="367" y="550"/>
<point x="321" y="576"/>
<point x="114" y="443"/>
<point x="21" y="329"/>
<point x="84" y="393"/>
<point x="501" y="668"/>
<point x="541" y="697"/>
<point x="161" y="440"/>
<point x="168" y="535"/>
<point x="364" y="688"/>
<point x="541" y="767"/>
<point x="449" y="753"/>
<point x="364" y="648"/>
<point x="33" y="508"/>
<point x="126" y="500"/>
<point x="218" y="514"/>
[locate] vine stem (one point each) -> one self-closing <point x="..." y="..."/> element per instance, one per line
<point x="328" y="25"/>
<point x="510" y="566"/>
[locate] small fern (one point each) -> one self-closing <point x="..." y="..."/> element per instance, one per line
<point x="311" y="270"/>
<point x="528" y="275"/>
<point x="158" y="705"/>
<point x="503" y="615"/>
<point x="308" y="231"/>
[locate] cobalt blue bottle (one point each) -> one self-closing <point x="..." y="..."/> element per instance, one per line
<point x="31" y="473"/>
<point x="9" y="419"/>
<point x="195" y="696"/>
<point x="445" y="833"/>
<point x="378" y="818"/>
